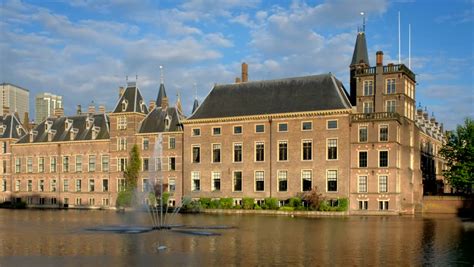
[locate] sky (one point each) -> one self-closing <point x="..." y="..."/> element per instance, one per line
<point x="85" y="49"/>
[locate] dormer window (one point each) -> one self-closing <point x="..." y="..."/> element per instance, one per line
<point x="167" y="122"/>
<point x="67" y="124"/>
<point x="3" y="127"/>
<point x="33" y="135"/>
<point x="73" y="134"/>
<point x="48" y="125"/>
<point x="95" y="132"/>
<point x="124" y="105"/>
<point x="19" y="130"/>
<point x="51" y="134"/>
<point x="89" y="122"/>
<point x="142" y="106"/>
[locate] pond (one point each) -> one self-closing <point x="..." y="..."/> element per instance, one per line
<point x="64" y="238"/>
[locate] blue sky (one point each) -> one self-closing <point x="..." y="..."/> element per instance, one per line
<point x="84" y="49"/>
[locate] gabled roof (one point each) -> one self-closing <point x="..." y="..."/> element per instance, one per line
<point x="154" y="122"/>
<point x="299" y="94"/>
<point x="161" y="95"/>
<point x="133" y="99"/>
<point x="79" y="122"/>
<point x="12" y="127"/>
<point x="360" y="50"/>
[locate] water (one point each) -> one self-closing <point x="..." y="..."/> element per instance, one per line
<point x="62" y="238"/>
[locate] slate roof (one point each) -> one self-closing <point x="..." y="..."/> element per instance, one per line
<point x="79" y="122"/>
<point x="134" y="99"/>
<point x="195" y="105"/>
<point x="309" y="93"/>
<point x="161" y="95"/>
<point x="154" y="122"/>
<point x="360" y="50"/>
<point x="12" y="128"/>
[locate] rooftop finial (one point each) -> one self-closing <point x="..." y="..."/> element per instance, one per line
<point x="162" y="79"/>
<point x="363" y="20"/>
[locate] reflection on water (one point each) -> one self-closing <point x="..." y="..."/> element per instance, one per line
<point x="60" y="238"/>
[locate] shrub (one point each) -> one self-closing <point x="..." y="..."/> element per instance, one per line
<point x="257" y="207"/>
<point x="295" y="202"/>
<point x="286" y="208"/>
<point x="313" y="198"/>
<point x="271" y="203"/>
<point x="205" y="202"/>
<point x="214" y="204"/>
<point x="191" y="205"/>
<point x="342" y="205"/>
<point x="248" y="203"/>
<point x="226" y="203"/>
<point x="237" y="207"/>
<point x="124" y="199"/>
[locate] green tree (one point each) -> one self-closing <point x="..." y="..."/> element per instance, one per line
<point x="126" y="198"/>
<point x="459" y="155"/>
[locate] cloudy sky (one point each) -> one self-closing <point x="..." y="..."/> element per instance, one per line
<point x="84" y="49"/>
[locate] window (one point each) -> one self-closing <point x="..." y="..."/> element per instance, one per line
<point x="78" y="163"/>
<point x="105" y="185"/>
<point x="196" y="154"/>
<point x="332" y="124"/>
<point x="122" y="164"/>
<point x="259" y="151"/>
<point x="383" y="133"/>
<point x="237" y="152"/>
<point x="237" y="181"/>
<point x="91" y="201"/>
<point x="146" y="143"/>
<point x="66" y="185"/>
<point x="171" y="184"/>
<point x="78" y="201"/>
<point x="91" y="185"/>
<point x="282" y="181"/>
<point x="146" y="164"/>
<point x="368" y="88"/>
<point x="238" y="129"/>
<point x="4" y="185"/>
<point x="259" y="181"/>
<point x="383" y="184"/>
<point x="332" y="180"/>
<point x="17" y="185"/>
<point x="216" y="130"/>
<point x="29" y="164"/>
<point x="105" y="202"/>
<point x="122" y="143"/>
<point x="157" y="164"/>
<point x="52" y="167"/>
<point x="282" y="150"/>
<point x="4" y="147"/>
<point x="121" y="185"/>
<point x="383" y="158"/>
<point x="362" y="184"/>
<point x="363" y="204"/>
<point x="368" y="107"/>
<point x="53" y="185"/>
<point x="78" y="185"/>
<point x="216" y="181"/>
<point x="283" y="127"/>
<point x="306" y="126"/>
<point x="383" y="205"/>
<point x="146" y="186"/>
<point x="363" y="134"/>
<point x="196" y="181"/>
<point x="122" y="123"/>
<point x="29" y="186"/>
<point x="306" y="180"/>
<point x="172" y="163"/>
<point x="363" y="159"/>
<point x="5" y="166"/>
<point x="92" y="163"/>
<point x="196" y="132"/>
<point x="332" y="149"/>
<point x="17" y="165"/>
<point x="105" y="163"/>
<point x="216" y="153"/>
<point x="259" y="128"/>
<point x="390" y="86"/>
<point x="171" y="142"/>
<point x="41" y="164"/>
<point x="307" y="150"/>
<point x="65" y="164"/>
<point x="390" y="105"/>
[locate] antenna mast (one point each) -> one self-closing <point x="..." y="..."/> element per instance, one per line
<point x="409" y="46"/>
<point x="399" y="43"/>
<point x="162" y="79"/>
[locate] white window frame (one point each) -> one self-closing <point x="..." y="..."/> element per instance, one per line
<point x="255" y="181"/>
<point x="337" y="124"/>
<point x="303" y="122"/>
<point x="359" y="179"/>
<point x="255" y="128"/>
<point x="358" y="158"/>
<point x="337" y="180"/>
<point x="241" y="128"/>
<point x="282" y="123"/>
<point x="193" y="134"/>
<point x="255" y="151"/>
<point x="216" y="127"/>
<point x="303" y="141"/>
<point x="386" y="183"/>
<point x="337" y="148"/>
<point x="388" y="132"/>
<point x="241" y="181"/>
<point x="241" y="149"/>
<point x="310" y="171"/>
<point x="279" y="178"/>
<point x="278" y="151"/>
<point x="388" y="158"/>
<point x="358" y="134"/>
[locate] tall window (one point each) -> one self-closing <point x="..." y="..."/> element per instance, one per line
<point x="362" y="159"/>
<point x="332" y="180"/>
<point x="306" y="180"/>
<point x="237" y="181"/>
<point x="196" y="154"/>
<point x="282" y="181"/>
<point x="368" y="87"/>
<point x="17" y="185"/>
<point x="4" y="185"/>
<point x="259" y="181"/>
<point x="91" y="185"/>
<point x="216" y="153"/>
<point x="172" y="164"/>
<point x="4" y="147"/>
<point x="65" y="164"/>
<point x="146" y="164"/>
<point x="105" y="185"/>
<point x="238" y="152"/>
<point x="52" y="167"/>
<point x="121" y="185"/>
<point x="363" y="204"/>
<point x="196" y="181"/>
<point x="383" y="158"/>
<point x="146" y="143"/>
<point x="390" y="86"/>
<point x="41" y="164"/>
<point x="307" y="150"/>
<point x="122" y="164"/>
<point x="78" y="185"/>
<point x="29" y="164"/>
<point x="105" y="163"/>
<point x="383" y="184"/>
<point x="332" y="148"/>
<point x="66" y="185"/>
<point x="259" y="151"/>
<point x="92" y="163"/>
<point x="171" y="143"/>
<point x="282" y="150"/>
<point x="362" y="184"/>
<point x="29" y="186"/>
<point x="363" y="134"/>
<point x="5" y="166"/>
<point x="390" y="106"/>
<point x="122" y="123"/>
<point x="383" y="205"/>
<point x="17" y="165"/>
<point x="78" y="163"/>
<point x="53" y="185"/>
<point x="383" y="133"/>
<point x="171" y="184"/>
<point x="216" y="181"/>
<point x="41" y="186"/>
<point x="368" y="107"/>
<point x="122" y="143"/>
<point x="146" y="186"/>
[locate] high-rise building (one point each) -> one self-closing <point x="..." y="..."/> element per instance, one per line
<point x="45" y="104"/>
<point x="14" y="98"/>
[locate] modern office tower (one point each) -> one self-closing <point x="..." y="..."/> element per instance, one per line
<point x="45" y="104"/>
<point x="14" y="98"/>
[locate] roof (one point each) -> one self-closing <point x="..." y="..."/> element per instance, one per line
<point x="154" y="122"/>
<point x="299" y="94"/>
<point x="79" y="123"/>
<point x="195" y="105"/>
<point x="360" y="50"/>
<point x="161" y="95"/>
<point x="12" y="127"/>
<point x="132" y="100"/>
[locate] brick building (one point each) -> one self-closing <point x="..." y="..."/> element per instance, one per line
<point x="258" y="139"/>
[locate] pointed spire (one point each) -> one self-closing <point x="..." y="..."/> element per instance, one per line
<point x="162" y="99"/>
<point x="179" y="107"/>
<point x="360" y="50"/>
<point x="195" y="105"/>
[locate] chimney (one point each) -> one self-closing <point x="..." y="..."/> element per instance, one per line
<point x="26" y="121"/>
<point x="121" y="91"/>
<point x="245" y="72"/>
<point x="237" y="79"/>
<point x="101" y="108"/>
<point x="152" y="104"/>
<point x="78" y="110"/>
<point x="91" y="108"/>
<point x="379" y="58"/>
<point x="58" y="112"/>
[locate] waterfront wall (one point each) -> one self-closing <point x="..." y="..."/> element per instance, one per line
<point x="447" y="204"/>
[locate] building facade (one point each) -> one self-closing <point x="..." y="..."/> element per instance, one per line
<point x="45" y="105"/>
<point x="14" y="99"/>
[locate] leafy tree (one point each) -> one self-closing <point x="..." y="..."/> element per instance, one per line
<point x="459" y="155"/>
<point x="313" y="198"/>
<point x="132" y="171"/>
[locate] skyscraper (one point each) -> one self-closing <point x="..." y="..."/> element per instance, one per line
<point x="14" y="98"/>
<point x="45" y="104"/>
